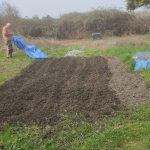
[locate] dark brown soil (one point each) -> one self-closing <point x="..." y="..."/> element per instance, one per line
<point x="51" y="86"/>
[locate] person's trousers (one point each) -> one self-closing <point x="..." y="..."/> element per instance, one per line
<point x="9" y="49"/>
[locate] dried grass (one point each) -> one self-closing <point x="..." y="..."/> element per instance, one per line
<point x="132" y="40"/>
<point x="86" y="43"/>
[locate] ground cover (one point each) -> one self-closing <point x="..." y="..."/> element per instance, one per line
<point x="129" y="130"/>
<point x="10" y="68"/>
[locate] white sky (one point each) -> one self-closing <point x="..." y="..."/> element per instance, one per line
<point x="56" y="7"/>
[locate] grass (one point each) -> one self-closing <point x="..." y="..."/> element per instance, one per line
<point x="10" y="68"/>
<point x="129" y="130"/>
<point x="60" y="52"/>
<point x="125" y="54"/>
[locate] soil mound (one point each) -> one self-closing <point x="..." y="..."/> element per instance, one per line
<point x="48" y="87"/>
<point x="130" y="88"/>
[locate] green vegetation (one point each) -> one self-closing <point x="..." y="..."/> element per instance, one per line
<point x="9" y="68"/>
<point x="109" y="21"/>
<point x="146" y="74"/>
<point x="59" y="52"/>
<point x="125" y="54"/>
<point x="133" y="4"/>
<point x="12" y="67"/>
<point x="129" y="130"/>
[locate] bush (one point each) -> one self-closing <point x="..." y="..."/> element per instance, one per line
<point x="108" y="21"/>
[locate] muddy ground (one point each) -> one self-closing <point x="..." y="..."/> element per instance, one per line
<point x="92" y="86"/>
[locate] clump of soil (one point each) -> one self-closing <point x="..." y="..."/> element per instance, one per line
<point x="51" y="86"/>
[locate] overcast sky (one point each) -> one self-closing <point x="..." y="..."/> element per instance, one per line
<point x="56" y="7"/>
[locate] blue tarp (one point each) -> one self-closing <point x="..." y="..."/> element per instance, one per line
<point x="34" y="52"/>
<point x="142" y="60"/>
<point x="30" y="50"/>
<point x="111" y="42"/>
<point x="19" y="42"/>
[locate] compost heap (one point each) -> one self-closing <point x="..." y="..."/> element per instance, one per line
<point x="51" y="86"/>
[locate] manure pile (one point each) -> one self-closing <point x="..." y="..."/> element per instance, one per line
<point x="48" y="87"/>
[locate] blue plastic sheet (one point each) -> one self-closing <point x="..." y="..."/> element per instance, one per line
<point x="111" y="42"/>
<point x="30" y="50"/>
<point x="19" y="42"/>
<point x="34" y="52"/>
<point x="142" y="60"/>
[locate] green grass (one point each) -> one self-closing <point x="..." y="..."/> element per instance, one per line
<point x="9" y="68"/>
<point x="125" y="54"/>
<point x="17" y="137"/>
<point x="60" y="52"/>
<point x="146" y="74"/>
<point x="112" y="135"/>
<point x="129" y="130"/>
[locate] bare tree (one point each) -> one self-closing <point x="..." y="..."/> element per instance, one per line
<point x="9" y="13"/>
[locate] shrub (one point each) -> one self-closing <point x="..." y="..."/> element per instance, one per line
<point x="75" y="25"/>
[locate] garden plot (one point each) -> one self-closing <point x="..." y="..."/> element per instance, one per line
<point x="52" y="86"/>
